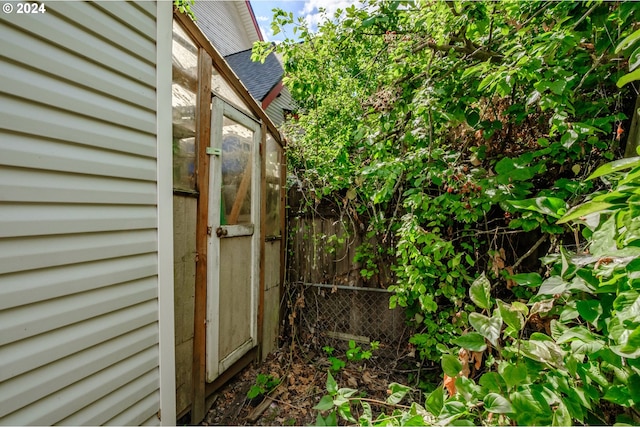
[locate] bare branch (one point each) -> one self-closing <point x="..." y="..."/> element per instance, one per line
<point x="530" y="251"/>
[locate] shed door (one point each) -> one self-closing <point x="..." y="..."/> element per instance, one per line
<point x="232" y="264"/>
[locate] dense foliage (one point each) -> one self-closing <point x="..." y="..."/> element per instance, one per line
<point x="462" y="134"/>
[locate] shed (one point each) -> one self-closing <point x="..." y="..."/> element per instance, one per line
<point x="126" y="143"/>
<point x="229" y="217"/>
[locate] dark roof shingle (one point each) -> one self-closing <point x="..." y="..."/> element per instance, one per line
<point x="258" y="77"/>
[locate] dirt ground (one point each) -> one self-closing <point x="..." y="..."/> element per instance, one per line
<point x="303" y="376"/>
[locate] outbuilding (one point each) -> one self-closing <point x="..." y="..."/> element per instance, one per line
<point x="141" y="216"/>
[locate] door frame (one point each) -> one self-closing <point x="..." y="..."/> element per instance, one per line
<point x="221" y="109"/>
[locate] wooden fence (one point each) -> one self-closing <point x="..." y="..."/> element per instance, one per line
<point x="322" y="269"/>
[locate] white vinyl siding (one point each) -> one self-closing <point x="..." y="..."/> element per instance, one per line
<point x="223" y="20"/>
<point x="276" y="108"/>
<point x="79" y="322"/>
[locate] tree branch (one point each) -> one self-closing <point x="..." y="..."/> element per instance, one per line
<point x="469" y="49"/>
<point x="530" y="251"/>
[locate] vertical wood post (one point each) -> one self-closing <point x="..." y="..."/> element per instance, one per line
<point x="203" y="136"/>
<point x="263" y="235"/>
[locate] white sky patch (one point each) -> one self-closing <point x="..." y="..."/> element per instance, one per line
<point x="267" y="34"/>
<point x="311" y="8"/>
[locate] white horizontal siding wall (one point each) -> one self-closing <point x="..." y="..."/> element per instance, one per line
<point x="222" y="23"/>
<point x="79" y="316"/>
<point x="276" y="108"/>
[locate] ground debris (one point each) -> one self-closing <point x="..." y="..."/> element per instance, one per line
<point x="303" y="382"/>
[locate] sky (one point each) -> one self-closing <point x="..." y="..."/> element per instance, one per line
<point x="308" y="9"/>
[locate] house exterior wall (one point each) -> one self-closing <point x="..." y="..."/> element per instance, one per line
<point x="80" y="203"/>
<point x="276" y="109"/>
<point x="223" y="19"/>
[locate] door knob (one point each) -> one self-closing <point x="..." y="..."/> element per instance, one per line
<point x="221" y="231"/>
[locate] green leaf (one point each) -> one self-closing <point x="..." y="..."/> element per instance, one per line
<point x="590" y="310"/>
<point x="367" y="413"/>
<point x="634" y="388"/>
<point x="618" y="394"/>
<point x="510" y="315"/>
<point x="527" y="407"/>
<point x="634" y="59"/>
<point x="628" y="41"/>
<point x="471" y="341"/>
<point x="551" y="206"/>
<point x="435" y="401"/>
<point x="515" y="169"/>
<point x="330" y="420"/>
<point x="584" y="209"/>
<point x="545" y="351"/>
<point x="398" y="391"/>
<point x="615" y="166"/>
<point x="497" y="404"/>
<point x="542" y="306"/>
<point x="332" y="385"/>
<point x="486" y="82"/>
<point x="487" y="327"/>
<point x="561" y="416"/>
<point x="514" y="374"/>
<point x="552" y="286"/>
<point x="527" y="279"/>
<point x="569" y="138"/>
<point x="472" y="118"/>
<point x="492" y="381"/>
<point x="325" y="403"/>
<point x="467" y="388"/>
<point x="451" y="365"/>
<point x="344" y="411"/>
<point x="480" y="292"/>
<point x="633" y="341"/>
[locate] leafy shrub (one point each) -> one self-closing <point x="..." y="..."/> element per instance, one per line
<point x="264" y="384"/>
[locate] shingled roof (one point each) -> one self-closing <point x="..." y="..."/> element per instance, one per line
<point x="259" y="78"/>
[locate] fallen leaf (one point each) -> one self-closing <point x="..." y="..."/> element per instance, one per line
<point x="367" y="378"/>
<point x="463" y="356"/>
<point x="450" y="384"/>
<point x="477" y="356"/>
<point x="510" y="282"/>
<point x="352" y="382"/>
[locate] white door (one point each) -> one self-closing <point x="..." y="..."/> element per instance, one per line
<point x="234" y="250"/>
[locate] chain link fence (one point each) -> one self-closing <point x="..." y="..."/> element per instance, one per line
<point x="332" y="315"/>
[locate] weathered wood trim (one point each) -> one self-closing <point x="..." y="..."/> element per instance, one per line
<point x="283" y="227"/>
<point x="212" y="338"/>
<point x="232" y="371"/>
<point x="237" y="230"/>
<point x="263" y="232"/>
<point x="203" y="135"/>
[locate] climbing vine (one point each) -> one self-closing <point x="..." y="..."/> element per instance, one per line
<point x="463" y="134"/>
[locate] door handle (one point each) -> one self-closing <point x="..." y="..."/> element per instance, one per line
<point x="221" y="231"/>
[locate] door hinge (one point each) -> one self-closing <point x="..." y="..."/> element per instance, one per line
<point x="209" y="230"/>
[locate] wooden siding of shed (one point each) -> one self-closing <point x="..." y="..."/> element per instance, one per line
<point x="184" y="262"/>
<point x="78" y="216"/>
